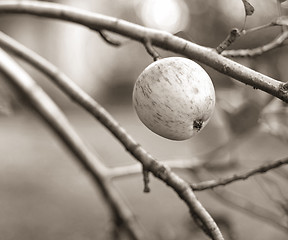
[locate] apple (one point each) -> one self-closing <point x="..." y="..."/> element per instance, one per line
<point x="174" y="97"/>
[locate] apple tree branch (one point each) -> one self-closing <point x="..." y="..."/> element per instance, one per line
<point x="157" y="38"/>
<point x="60" y="125"/>
<point x="159" y="170"/>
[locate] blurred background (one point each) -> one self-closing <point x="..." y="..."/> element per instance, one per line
<point x="43" y="192"/>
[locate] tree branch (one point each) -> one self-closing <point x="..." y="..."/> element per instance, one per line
<point x="245" y="205"/>
<point x="250" y="208"/>
<point x="159" y="170"/>
<point x="232" y="36"/>
<point x="191" y="164"/>
<point x="277" y="42"/>
<point x="160" y="39"/>
<point x="150" y="50"/>
<point x="237" y="177"/>
<point x="109" y="40"/>
<point x="57" y="122"/>
<point x="180" y="164"/>
<point x="258" y="28"/>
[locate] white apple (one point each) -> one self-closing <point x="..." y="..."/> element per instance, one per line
<point x="174" y="97"/>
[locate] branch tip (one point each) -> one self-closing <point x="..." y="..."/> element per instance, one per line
<point x="146" y="180"/>
<point x="151" y="51"/>
<point x="109" y="40"/>
<point x="233" y="35"/>
<point x="161" y="39"/>
<point x="277" y="42"/>
<point x="210" y="184"/>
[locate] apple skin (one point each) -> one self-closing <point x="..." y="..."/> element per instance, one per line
<point x="174" y="97"/>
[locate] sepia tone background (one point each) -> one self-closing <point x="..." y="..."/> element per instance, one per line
<point x="43" y="192"/>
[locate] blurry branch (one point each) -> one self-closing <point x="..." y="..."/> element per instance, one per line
<point x="244" y="205"/>
<point x="179" y="164"/>
<point x="157" y="38"/>
<point x="58" y="122"/>
<point x="235" y="33"/>
<point x="277" y="42"/>
<point x="280" y="21"/>
<point x="158" y="169"/>
<point x="282" y="173"/>
<point x="109" y="40"/>
<point x="262" y="182"/>
<point x="281" y="204"/>
<point x="191" y="164"/>
<point x="237" y="177"/>
<point x="258" y="28"/>
<point x="248" y="207"/>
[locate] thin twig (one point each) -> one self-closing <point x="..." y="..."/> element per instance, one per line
<point x="232" y="36"/>
<point x="146" y="180"/>
<point x="158" y="169"/>
<point x="237" y="177"/>
<point x="267" y="191"/>
<point x="277" y="42"/>
<point x="158" y="38"/>
<point x="254" y="29"/>
<point x="244" y="205"/>
<point x="109" y="40"/>
<point x="248" y="207"/>
<point x="151" y="51"/>
<point x="58" y="122"/>
<point x="280" y="204"/>
<point x="191" y="164"/>
<point x="178" y="164"/>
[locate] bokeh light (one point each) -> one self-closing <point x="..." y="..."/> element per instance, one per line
<point x="167" y="15"/>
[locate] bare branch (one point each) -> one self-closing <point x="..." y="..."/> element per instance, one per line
<point x="151" y="51"/>
<point x="233" y="35"/>
<point x="191" y="164"/>
<point x="57" y="122"/>
<point x="266" y="190"/>
<point x="109" y="40"/>
<point x="250" y="208"/>
<point x="237" y="177"/>
<point x="254" y="29"/>
<point x="243" y="204"/>
<point x="277" y="42"/>
<point x="249" y="10"/>
<point x="159" y="170"/>
<point x="160" y="39"/>
<point x="180" y="164"/>
<point x="146" y="180"/>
